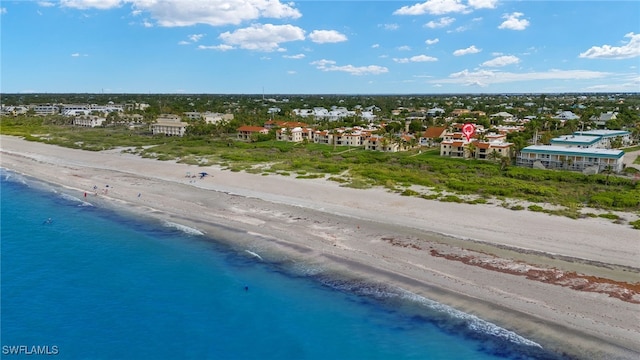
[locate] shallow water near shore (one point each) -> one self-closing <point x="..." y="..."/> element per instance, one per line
<point x="95" y="283"/>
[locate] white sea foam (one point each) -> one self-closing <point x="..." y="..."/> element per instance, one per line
<point x="75" y="199"/>
<point x="473" y="322"/>
<point x="253" y="254"/>
<point x="183" y="228"/>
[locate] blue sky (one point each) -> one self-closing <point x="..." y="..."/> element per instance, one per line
<point x="319" y="47"/>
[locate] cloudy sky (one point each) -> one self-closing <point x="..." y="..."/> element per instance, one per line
<point x="320" y="47"/>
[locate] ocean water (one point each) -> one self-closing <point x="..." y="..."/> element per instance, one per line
<point x="93" y="283"/>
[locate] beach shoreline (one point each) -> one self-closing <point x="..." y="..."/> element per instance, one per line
<point x="379" y="236"/>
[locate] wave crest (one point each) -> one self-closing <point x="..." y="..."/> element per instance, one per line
<point x="185" y="229"/>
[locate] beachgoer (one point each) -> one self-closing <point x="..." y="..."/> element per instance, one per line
<point x="246" y="288"/>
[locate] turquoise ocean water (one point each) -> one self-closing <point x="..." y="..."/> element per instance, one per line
<point x="96" y="284"/>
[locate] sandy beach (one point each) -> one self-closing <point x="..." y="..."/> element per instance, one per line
<point x="571" y="285"/>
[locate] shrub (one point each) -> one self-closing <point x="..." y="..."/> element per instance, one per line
<point x="609" y="216"/>
<point x="536" y="208"/>
<point x="409" y="192"/>
<point x="451" y="198"/>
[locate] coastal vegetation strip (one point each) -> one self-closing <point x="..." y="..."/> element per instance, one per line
<point x="447" y="179"/>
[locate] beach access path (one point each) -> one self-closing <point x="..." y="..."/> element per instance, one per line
<point x="381" y="235"/>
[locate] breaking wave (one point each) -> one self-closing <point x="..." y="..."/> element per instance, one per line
<point x="185" y="229"/>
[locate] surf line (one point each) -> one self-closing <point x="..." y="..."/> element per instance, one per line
<point x="254" y="254"/>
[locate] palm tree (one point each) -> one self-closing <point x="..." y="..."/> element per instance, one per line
<point x="334" y="137"/>
<point x="471" y="148"/>
<point x="494" y="155"/>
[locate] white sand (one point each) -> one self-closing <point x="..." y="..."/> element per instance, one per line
<point x="352" y="230"/>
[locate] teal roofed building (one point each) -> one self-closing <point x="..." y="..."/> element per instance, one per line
<point x="607" y="135"/>
<point x="593" y="160"/>
<point x="578" y="141"/>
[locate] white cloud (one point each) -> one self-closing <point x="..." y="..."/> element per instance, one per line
<point x="46" y="4"/>
<point x="221" y="47"/>
<point x="170" y="13"/>
<point x="291" y="72"/>
<point x="195" y="37"/>
<point x="629" y="50"/>
<point x="330" y="65"/>
<point x="470" y="50"/>
<point x="146" y="23"/>
<point x="417" y="58"/>
<point x="3" y="10"/>
<point x="390" y="27"/>
<point x="91" y="4"/>
<point x="513" y="22"/>
<point x="432" y="41"/>
<point x="326" y="36"/>
<point x="297" y="56"/>
<point x="265" y="37"/>
<point x="375" y="46"/>
<point x="433" y="7"/>
<point x="79" y="55"/>
<point x="501" y="61"/>
<point x="487" y="77"/>
<point x="404" y="48"/>
<point x="483" y="4"/>
<point x="442" y="22"/>
<point x="183" y="42"/>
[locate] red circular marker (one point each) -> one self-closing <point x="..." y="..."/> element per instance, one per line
<point x="468" y="130"/>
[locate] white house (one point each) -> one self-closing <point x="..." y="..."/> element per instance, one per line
<point x="89" y="121"/>
<point x="170" y="125"/>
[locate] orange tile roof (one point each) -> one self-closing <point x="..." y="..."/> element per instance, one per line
<point x="434" y="132"/>
<point x="250" y="128"/>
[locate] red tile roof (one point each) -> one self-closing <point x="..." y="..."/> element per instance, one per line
<point x="434" y="132"/>
<point x="248" y="128"/>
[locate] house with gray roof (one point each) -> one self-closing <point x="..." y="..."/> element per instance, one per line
<point x="603" y="118"/>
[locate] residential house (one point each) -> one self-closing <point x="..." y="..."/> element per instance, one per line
<point x="502" y="114"/>
<point x="245" y="132"/>
<point x="386" y="144"/>
<point x="566" y="115"/>
<point x="603" y="118"/>
<point x="436" y="111"/>
<point x="271" y="124"/>
<point x="45" y="109"/>
<point x="295" y="134"/>
<point x="89" y="121"/>
<point x="433" y="135"/>
<point x="170" y="125"/>
<point x="459" y="112"/>
<point x="456" y="145"/>
<point x="215" y="118"/>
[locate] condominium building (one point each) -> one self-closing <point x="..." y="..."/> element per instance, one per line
<point x="571" y="158"/>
